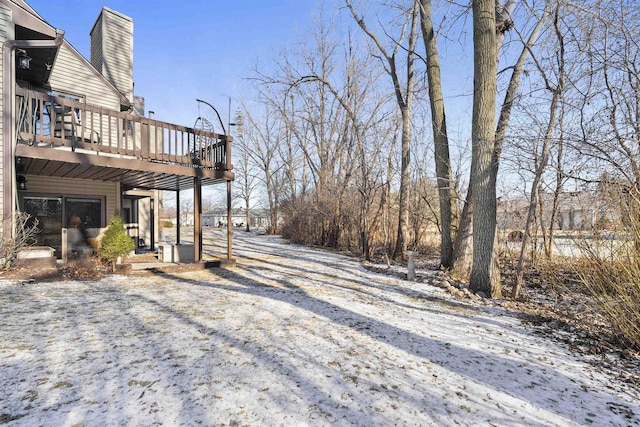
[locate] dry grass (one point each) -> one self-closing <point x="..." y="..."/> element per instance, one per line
<point x="614" y="283"/>
<point x="597" y="293"/>
<point x="85" y="269"/>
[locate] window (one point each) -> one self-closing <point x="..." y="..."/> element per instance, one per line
<point x="82" y="216"/>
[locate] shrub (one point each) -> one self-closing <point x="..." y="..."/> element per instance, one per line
<point x="115" y="242"/>
<point x="611" y="269"/>
<point x="613" y="278"/>
<point x="26" y="229"/>
<point x="84" y="269"/>
<point x="168" y="224"/>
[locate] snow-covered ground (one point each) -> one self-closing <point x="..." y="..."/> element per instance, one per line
<point x="291" y="336"/>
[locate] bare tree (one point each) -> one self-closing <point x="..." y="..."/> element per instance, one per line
<point x="557" y="91"/>
<point x="264" y="132"/>
<point x="186" y="211"/>
<point x="404" y="98"/>
<point x="247" y="176"/>
<point x="440" y="137"/>
<point x="463" y="247"/>
<point x="327" y="95"/>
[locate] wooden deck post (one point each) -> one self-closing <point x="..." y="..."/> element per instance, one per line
<point x="229" y="224"/>
<point x="197" y="219"/>
<point x="152" y="223"/>
<point x="178" y="212"/>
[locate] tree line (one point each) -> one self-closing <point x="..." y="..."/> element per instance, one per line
<point x="349" y="137"/>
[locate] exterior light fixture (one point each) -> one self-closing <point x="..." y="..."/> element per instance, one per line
<point x="22" y="182"/>
<point x="23" y="59"/>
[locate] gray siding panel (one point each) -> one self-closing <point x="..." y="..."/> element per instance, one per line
<point x="118" y="53"/>
<point x="75" y="76"/>
<point x="96" y="45"/>
<point x="112" y="49"/>
<point x="6" y="33"/>
<point x="76" y="187"/>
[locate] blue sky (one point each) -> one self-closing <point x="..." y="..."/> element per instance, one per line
<point x="191" y="49"/>
<point x="208" y="48"/>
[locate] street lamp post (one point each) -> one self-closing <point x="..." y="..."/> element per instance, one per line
<point x="229" y="123"/>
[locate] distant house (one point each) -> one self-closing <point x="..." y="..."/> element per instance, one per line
<point x="217" y="218"/>
<point x="582" y="210"/>
<point x="75" y="143"/>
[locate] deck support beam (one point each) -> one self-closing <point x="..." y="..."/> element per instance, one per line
<point x="178" y="212"/>
<point x="197" y="219"/>
<point x="229" y="224"/>
<point x="152" y="223"/>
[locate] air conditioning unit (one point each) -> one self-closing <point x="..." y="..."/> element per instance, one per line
<point x="165" y="253"/>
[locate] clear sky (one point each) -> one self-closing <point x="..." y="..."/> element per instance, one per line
<point x="189" y="49"/>
<point x="208" y="48"/>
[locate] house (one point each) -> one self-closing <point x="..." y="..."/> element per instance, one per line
<point x="576" y="210"/>
<point x="76" y="145"/>
<point x="259" y="218"/>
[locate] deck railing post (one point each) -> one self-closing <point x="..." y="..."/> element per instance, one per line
<point x="227" y="149"/>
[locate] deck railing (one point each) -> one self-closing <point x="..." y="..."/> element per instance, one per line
<point x="45" y="120"/>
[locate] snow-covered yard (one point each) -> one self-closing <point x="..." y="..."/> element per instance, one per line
<point x="291" y="336"/>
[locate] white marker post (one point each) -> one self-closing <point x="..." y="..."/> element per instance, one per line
<point x="411" y="265"/>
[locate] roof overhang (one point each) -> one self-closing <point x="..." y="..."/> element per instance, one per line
<point x="26" y="17"/>
<point x="29" y="30"/>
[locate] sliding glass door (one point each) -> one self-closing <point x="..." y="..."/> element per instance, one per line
<point x="82" y="216"/>
<point x="48" y="212"/>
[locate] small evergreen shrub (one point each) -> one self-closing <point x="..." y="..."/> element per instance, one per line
<point x="168" y="224"/>
<point x="115" y="242"/>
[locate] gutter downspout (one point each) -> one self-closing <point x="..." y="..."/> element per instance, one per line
<point x="8" y="123"/>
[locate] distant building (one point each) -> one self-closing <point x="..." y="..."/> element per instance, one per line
<point x="581" y="210"/>
<point x="218" y="218"/>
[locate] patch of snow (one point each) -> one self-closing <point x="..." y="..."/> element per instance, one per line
<point x="291" y="336"/>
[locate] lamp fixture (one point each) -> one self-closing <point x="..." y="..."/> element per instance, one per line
<point x="23" y="59"/>
<point x="22" y="182"/>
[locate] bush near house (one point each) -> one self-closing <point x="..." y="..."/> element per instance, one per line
<point x="26" y="230"/>
<point x="115" y="242"/>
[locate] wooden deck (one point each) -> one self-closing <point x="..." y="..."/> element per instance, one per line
<point x="54" y="122"/>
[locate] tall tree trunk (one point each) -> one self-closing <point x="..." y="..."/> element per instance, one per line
<point x="406" y="107"/>
<point x="548" y="249"/>
<point x="463" y="248"/>
<point x="440" y="139"/>
<point x="403" y="202"/>
<point x="485" y="277"/>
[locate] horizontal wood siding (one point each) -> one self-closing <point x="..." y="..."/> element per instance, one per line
<point x="6" y="33"/>
<point x="73" y="75"/>
<point x="53" y="186"/>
